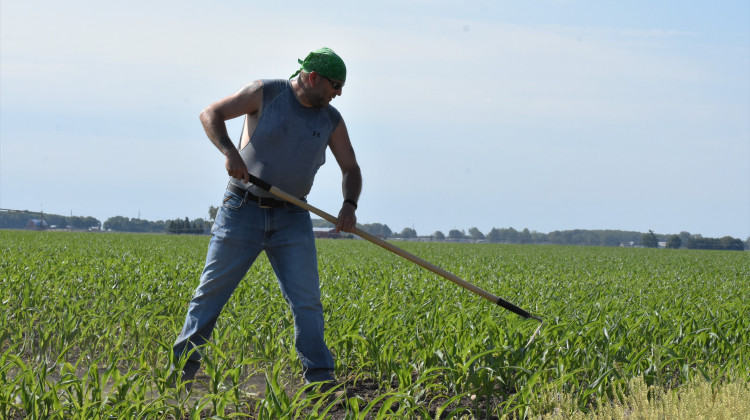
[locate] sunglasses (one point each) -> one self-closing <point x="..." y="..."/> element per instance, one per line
<point x="336" y="85"/>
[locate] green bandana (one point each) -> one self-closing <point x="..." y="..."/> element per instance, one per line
<point x="325" y="62"/>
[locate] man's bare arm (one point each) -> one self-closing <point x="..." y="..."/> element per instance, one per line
<point x="247" y="101"/>
<point x="351" y="184"/>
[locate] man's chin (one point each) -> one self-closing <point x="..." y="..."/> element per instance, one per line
<point x="323" y="103"/>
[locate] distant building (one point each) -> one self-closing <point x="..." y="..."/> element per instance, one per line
<point x="37" y="224"/>
<point x="329" y="233"/>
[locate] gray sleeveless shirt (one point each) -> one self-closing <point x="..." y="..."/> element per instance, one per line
<point x="288" y="144"/>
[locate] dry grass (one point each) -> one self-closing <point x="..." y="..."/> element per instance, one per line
<point x="698" y="400"/>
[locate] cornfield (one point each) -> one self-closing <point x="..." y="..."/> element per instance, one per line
<point x="88" y="321"/>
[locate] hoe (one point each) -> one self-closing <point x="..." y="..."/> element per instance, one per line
<point x="400" y="252"/>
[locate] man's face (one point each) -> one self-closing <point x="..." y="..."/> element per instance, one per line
<point x="326" y="90"/>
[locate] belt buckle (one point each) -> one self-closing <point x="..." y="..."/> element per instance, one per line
<point x="261" y="205"/>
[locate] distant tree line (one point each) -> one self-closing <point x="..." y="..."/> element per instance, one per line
<point x="125" y="224"/>
<point x="376" y="229"/>
<point x="176" y="227"/>
<point x="186" y="227"/>
<point x="14" y="219"/>
<point x="726" y="243"/>
<point x="566" y="237"/>
<point x="650" y="240"/>
<point x="322" y="223"/>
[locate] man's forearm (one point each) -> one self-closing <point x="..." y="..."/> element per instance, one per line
<point x="216" y="130"/>
<point x="352" y="184"/>
<point x="351" y="187"/>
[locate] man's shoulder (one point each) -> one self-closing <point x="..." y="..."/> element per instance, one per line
<point x="273" y="87"/>
<point x="331" y="109"/>
<point x="333" y="114"/>
<point x="275" y="83"/>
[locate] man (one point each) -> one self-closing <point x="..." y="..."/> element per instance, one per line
<point x="288" y="126"/>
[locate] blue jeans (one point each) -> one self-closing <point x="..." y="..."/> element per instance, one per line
<point x="241" y="231"/>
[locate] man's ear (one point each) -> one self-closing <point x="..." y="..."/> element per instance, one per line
<point x="314" y="78"/>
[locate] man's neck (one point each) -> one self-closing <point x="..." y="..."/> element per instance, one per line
<point x="299" y="91"/>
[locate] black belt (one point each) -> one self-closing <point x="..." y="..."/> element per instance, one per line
<point x="263" y="202"/>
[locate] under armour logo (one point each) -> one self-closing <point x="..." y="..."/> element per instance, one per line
<point x="316" y="133"/>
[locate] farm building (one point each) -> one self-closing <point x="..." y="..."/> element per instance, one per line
<point x="326" y="233"/>
<point x="37" y="224"/>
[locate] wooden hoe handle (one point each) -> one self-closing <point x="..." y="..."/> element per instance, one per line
<point x="396" y="250"/>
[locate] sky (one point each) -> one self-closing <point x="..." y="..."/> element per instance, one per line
<point x="540" y="114"/>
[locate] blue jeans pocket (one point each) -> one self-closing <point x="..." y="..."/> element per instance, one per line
<point x="232" y="200"/>
<point x="229" y="205"/>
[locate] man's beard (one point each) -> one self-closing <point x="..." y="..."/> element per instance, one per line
<point x="319" y="100"/>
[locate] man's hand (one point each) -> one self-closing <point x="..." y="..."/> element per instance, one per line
<point x="236" y="166"/>
<point x="347" y="218"/>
